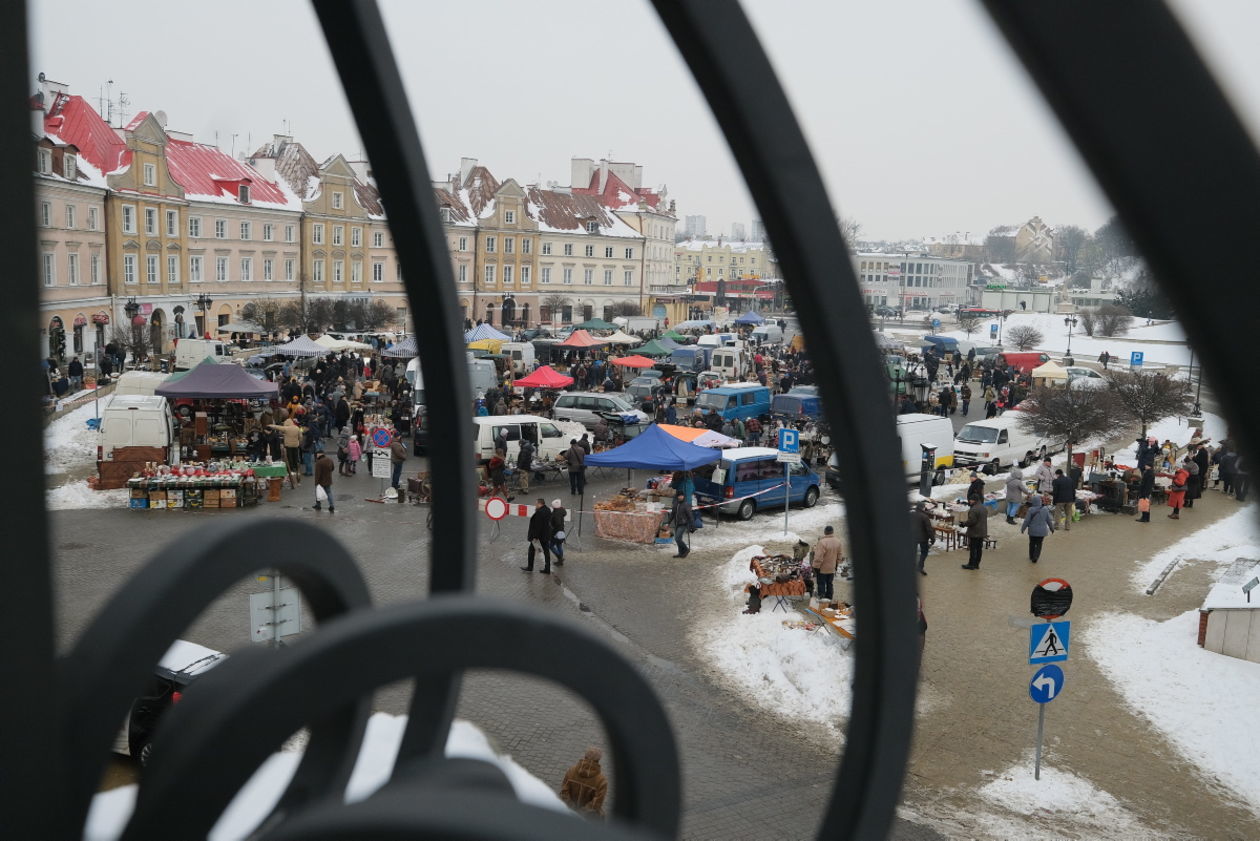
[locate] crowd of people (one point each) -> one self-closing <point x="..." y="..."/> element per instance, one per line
<point x="950" y="390"/>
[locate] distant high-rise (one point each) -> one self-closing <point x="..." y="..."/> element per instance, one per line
<point x="694" y="226"/>
<point x="758" y="231"/>
<point x="738" y="232"/>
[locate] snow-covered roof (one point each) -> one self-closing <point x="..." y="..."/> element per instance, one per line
<point x="84" y="172"/>
<point x="737" y="246"/>
<point x="1228" y="593"/>
<point x="566" y="213"/>
<point x="211" y="175"/>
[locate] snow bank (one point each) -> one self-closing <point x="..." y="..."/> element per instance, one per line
<point x="111" y="809"/>
<point x="68" y="442"/>
<point x="1161" y="343"/>
<point x="1235" y="536"/>
<point x="790" y="672"/>
<point x="767" y="525"/>
<point x="77" y="494"/>
<point x="1203" y="703"/>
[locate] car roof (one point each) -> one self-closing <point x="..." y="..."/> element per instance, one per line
<point x="188" y="659"/>
<point x="591" y="394"/>
<point x="741" y="453"/>
<point x="509" y="419"/>
<point x="733" y="387"/>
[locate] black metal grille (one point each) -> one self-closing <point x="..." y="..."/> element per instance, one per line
<point x="1132" y="128"/>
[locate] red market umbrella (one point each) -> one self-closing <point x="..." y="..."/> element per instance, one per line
<point x="635" y="361"/>
<point x="581" y="339"/>
<point x="545" y="377"/>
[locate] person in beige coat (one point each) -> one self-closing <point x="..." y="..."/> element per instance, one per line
<point x="827" y="558"/>
<point x="292" y="447"/>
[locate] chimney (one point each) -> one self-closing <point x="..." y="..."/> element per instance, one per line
<point x="465" y="169"/>
<point x="580" y="170"/>
<point x="266" y="167"/>
<point x="49" y="89"/>
<point x="361" y="170"/>
<point x="603" y="175"/>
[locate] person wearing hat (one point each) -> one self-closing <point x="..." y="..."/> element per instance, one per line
<point x="558" y="515"/>
<point x="539" y="537"/>
<point x="975" y="490"/>
<point x="924" y="534"/>
<point x="681" y="518"/>
<point x="585" y="787"/>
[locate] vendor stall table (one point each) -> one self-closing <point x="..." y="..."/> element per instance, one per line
<point x="840" y="622"/>
<point x="781" y="590"/>
<point x="639" y="526"/>
<point x="192" y="493"/>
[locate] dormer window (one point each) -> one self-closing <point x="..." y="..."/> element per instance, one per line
<point x="150" y="175"/>
<point x="44" y="161"/>
<point x="242" y="193"/>
<point x="444" y="213"/>
<point x="592" y="227"/>
<point x="338" y="201"/>
<point x="509" y="217"/>
<point x="69" y="166"/>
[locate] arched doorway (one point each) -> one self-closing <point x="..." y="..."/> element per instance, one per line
<point x="157" y="321"/>
<point x="489" y="314"/>
<point x="525" y="315"/>
<point x="508" y="311"/>
<point x="56" y="338"/>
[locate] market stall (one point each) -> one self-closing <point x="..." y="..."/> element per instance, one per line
<point x="301" y="346"/>
<point x="337" y="345"/>
<point x="635" y="361"/>
<point x="485" y="331"/>
<point x="193" y="487"/>
<point x="544" y="377"/>
<point x="621" y="338"/>
<point x="700" y="436"/>
<point x="221" y="401"/>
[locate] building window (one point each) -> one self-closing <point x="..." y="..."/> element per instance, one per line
<point x="356" y="271"/>
<point x="489" y="275"/>
<point x="378" y="240"/>
<point x="592" y="227"/>
<point x="150" y="221"/>
<point x="172" y="269"/>
<point x="242" y="193"/>
<point x="288" y="269"/>
<point x="568" y="276"/>
<point x="94" y="269"/>
<point x="268" y="232"/>
<point x="339" y="233"/>
<point x="524" y="275"/>
<point x="93" y="219"/>
<point x="220" y="229"/>
<point x="194" y="226"/>
<point x="608" y="252"/>
<point x="509" y="217"/>
<point x="194" y="269"/>
<point x="568" y="249"/>
<point x="268" y="268"/>
<point x="546" y="275"/>
<point x="489" y="245"/>
<point x="247" y="268"/>
<point x="339" y="271"/>
<point x="589" y="251"/>
<point x="509" y="245"/>
<point x="290" y="232"/>
<point x="378" y="272"/>
<point x="629" y="278"/>
<point x="44" y="161"/>
<point x="317" y="234"/>
<point x="527" y="246"/>
<point x="129" y="268"/>
<point x="221" y="269"/>
<point x="507" y="274"/>
<point x="151" y="270"/>
<point x="546" y="249"/>
<point x="70" y="216"/>
<point x="50" y="270"/>
<point x="128" y="219"/>
<point x="588" y="276"/>
<point x="338" y="201"/>
<point x="45" y="214"/>
<point x="356" y="237"/>
<point x="608" y="277"/>
<point x="317" y="271"/>
<point x="629" y="253"/>
<point x="245" y="230"/>
<point x="150" y="175"/>
<point x="71" y="166"/>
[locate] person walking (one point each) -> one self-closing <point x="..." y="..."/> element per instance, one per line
<point x="977" y="532"/>
<point x="1192" y="483"/>
<point x="558" y="534"/>
<point x="584" y="787"/>
<point x="1045" y="477"/>
<point x="1016" y="493"/>
<point x="292" y="446"/>
<point x="1063" y="494"/>
<point x="1038" y="522"/>
<point x="680" y="518"/>
<point x="323" y="481"/>
<point x="354" y="452"/>
<point x="539" y="536"/>
<point x="921" y="529"/>
<point x="1177" y="492"/>
<point x="1204" y="461"/>
<point x="575" y="457"/>
<point x="827" y="557"/>
<point x="964" y="394"/>
<point x="524" y="464"/>
<point x="1145" y="488"/>
<point x="397" y="457"/>
<point x="310" y="441"/>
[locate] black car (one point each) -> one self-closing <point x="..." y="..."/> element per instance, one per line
<point x="887" y="312"/>
<point x="182" y="663"/>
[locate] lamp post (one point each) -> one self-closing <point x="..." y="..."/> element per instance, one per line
<point x="1070" y="322"/>
<point x="203" y="303"/>
<point x="132" y="309"/>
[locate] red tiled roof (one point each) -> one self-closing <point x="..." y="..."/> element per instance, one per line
<point x="206" y="172"/>
<point x="559" y="211"/>
<point x="617" y="193"/>
<point x="481" y="187"/>
<point x="75" y="121"/>
<point x="459" y="211"/>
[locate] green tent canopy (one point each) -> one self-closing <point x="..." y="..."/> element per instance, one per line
<point x="596" y="324"/>
<point x="179" y="375"/>
<point x="679" y="337"/>
<point x="653" y="348"/>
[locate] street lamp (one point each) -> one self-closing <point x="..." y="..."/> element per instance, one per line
<point x="203" y="303"/>
<point x="1070" y="322"/>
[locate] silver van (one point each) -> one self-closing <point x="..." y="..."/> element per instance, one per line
<point x="584" y="406"/>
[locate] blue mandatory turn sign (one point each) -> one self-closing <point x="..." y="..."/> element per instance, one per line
<point x="789" y="441"/>
<point x="1135" y="359"/>
<point x="1046" y="685"/>
<point x="1048" y="643"/>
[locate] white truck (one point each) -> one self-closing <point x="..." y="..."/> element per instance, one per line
<point x="190" y="352"/>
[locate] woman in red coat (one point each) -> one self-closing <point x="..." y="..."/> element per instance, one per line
<point x="1177" y="493"/>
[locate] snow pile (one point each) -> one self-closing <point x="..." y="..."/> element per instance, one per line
<point x="68" y="442"/>
<point x="77" y="494"/>
<point x="1223" y="541"/>
<point x="788" y="671"/>
<point x="1203" y="703"/>
<point x="1067" y="800"/>
<point x="111" y="809"/>
<point x="767" y="524"/>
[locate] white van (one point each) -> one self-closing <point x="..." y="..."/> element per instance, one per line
<point x="520" y="356"/>
<point x="998" y="442"/>
<point x="718" y="340"/>
<point x="729" y="362"/>
<point x="768" y="334"/>
<point x="547" y="438"/>
<point x="135" y="420"/>
<point x="915" y="430"/>
<point x="144" y="383"/>
<point x="190" y="352"/>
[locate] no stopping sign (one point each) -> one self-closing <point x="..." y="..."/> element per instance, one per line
<point x="496" y="508"/>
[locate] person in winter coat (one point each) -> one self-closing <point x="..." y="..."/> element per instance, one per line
<point x="292" y="444"/>
<point x="1063" y="491"/>
<point x="1016" y="493"/>
<point x="311" y="441"/>
<point x="558" y="534"/>
<point x="975" y="490"/>
<point x="323" y="479"/>
<point x="1204" y="462"/>
<point x="584" y="787"/>
<point x="1226" y="459"/>
<point x="680" y="517"/>
<point x="575" y="457"/>
<point x="1038" y="522"/>
<point x="921" y="529"/>
<point x="964" y="394"/>
<point x="1177" y="493"/>
<point x="1145" y="488"/>
<point x="354" y="451"/>
<point x="1192" y="483"/>
<point x="397" y="457"/>
<point x="827" y="557"/>
<point x="1147" y="450"/>
<point x="977" y="531"/>
<point x="539" y="536"/>
<point x="525" y="464"/>
<point x="1045" y="477"/>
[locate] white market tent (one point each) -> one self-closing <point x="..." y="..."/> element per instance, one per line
<point x="301" y="346"/>
<point x="620" y="338"/>
<point x="340" y="344"/>
<point x="1043" y="374"/>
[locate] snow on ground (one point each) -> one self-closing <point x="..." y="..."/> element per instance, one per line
<point x="111" y="809"/>
<point x="1161" y="343"/>
<point x="788" y="671"/>
<point x="77" y="494"/>
<point x="1238" y="535"/>
<point x="766" y="525"/>
<point x="1203" y="703"/>
<point x="68" y="442"/>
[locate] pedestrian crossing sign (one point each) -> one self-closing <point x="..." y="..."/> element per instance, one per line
<point x="1048" y="643"/>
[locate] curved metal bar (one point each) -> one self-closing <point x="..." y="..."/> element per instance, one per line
<point x="115" y="655"/>
<point x="735" y="75"/>
<point x="361" y="50"/>
<point x="405" y="814"/>
<point x="247" y="706"/>
<point x="1172" y="156"/>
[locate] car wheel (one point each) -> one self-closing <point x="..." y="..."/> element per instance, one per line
<point x="746" y="509"/>
<point x="939" y="478"/>
<point x="811" y="497"/>
<point x="995" y="467"/>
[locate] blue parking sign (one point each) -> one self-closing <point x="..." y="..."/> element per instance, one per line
<point x="789" y="441"/>
<point x="993" y="329"/>
<point x="1135" y="359"/>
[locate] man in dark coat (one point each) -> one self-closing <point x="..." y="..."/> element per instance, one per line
<point x="1145" y="488"/>
<point x="1064" y="498"/>
<point x="977" y="531"/>
<point x="1204" y="461"/>
<point x="921" y="529"/>
<point x="539" y="535"/>
<point x="524" y="464"/>
<point x="341" y="413"/>
<point x="975" y="490"/>
<point x="680" y="517"/>
<point x="323" y="479"/>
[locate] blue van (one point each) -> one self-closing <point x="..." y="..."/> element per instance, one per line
<point x="744" y="400"/>
<point x="940" y="344"/>
<point x="745" y="471"/>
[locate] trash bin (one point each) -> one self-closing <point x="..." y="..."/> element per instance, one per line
<point x="274" y="483"/>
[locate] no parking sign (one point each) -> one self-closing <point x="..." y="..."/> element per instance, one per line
<point x="381" y="437"/>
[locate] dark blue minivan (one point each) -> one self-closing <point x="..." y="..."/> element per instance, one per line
<point x="749" y="479"/>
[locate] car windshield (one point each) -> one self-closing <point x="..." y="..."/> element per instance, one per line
<point x="619" y="404"/>
<point x="713" y="401"/>
<point x="975" y="434"/>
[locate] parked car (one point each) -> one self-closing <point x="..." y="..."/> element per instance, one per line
<point x="182" y="663"/>
<point x="584" y="407"/>
<point x="887" y="312"/>
<point x="1082" y="377"/>
<point x="994" y="443"/>
<point x="745" y="471"/>
<point x="641" y="388"/>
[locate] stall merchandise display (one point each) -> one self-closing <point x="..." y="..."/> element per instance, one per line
<point x="628" y="517"/>
<point x="193" y="486"/>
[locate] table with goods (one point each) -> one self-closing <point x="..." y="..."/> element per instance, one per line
<point x="636" y="516"/>
<point x="197" y="486"/>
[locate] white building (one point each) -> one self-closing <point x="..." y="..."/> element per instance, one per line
<point x="912" y="282"/>
<point x="694" y="227"/>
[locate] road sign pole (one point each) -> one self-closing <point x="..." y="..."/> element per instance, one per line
<point x="1041" y="732"/>
<point x="787" y="486"/>
<point x="275" y="608"/>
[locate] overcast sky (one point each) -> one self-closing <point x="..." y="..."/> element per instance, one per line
<point x="921" y="120"/>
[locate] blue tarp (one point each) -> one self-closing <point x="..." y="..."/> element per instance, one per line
<point x="749" y="317"/>
<point x="655" y="449"/>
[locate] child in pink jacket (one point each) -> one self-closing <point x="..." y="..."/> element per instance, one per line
<point x="356" y="450"/>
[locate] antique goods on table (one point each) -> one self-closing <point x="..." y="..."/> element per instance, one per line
<point x="193" y="486"/>
<point x="777" y="575"/>
<point x="627" y="517"/>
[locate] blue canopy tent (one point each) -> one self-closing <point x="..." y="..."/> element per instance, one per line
<point x="406" y="349"/>
<point x="749" y="317"/>
<point x="655" y="449"/>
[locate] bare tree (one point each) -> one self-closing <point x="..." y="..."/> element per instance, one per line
<point x="1113" y="320"/>
<point x="377" y="315"/>
<point x="968" y="321"/>
<point x="1025" y="336"/>
<point x="1089" y="320"/>
<point x="265" y="312"/>
<point x="1148" y="397"/>
<point x="850" y="229"/>
<point x="342" y="314"/>
<point x="132" y="340"/>
<point x="553" y="304"/>
<point x="1070" y="415"/>
<point x="1068" y="241"/>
